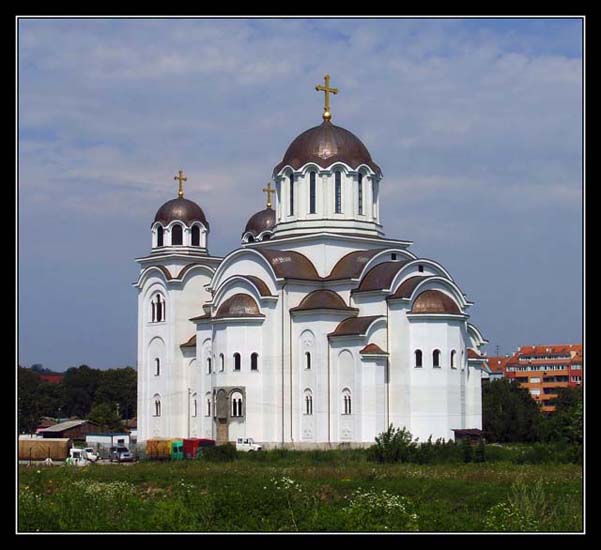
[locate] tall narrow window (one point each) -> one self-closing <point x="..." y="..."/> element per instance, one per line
<point x="236" y="400"/>
<point x="307" y="359"/>
<point x="176" y="235"/>
<point x="159" y="236"/>
<point x="208" y="406"/>
<point x="157" y="366"/>
<point x="157" y="407"/>
<point x="254" y="361"/>
<point x="374" y="195"/>
<point x="194" y="407"/>
<point x="308" y="403"/>
<point x="195" y="236"/>
<point x="418" y="357"/>
<point x="436" y="358"/>
<point x="153" y="312"/>
<point x="346" y="394"/>
<point x="360" y="193"/>
<point x="222" y="362"/>
<point x="236" y="361"/>
<point x="209" y="365"/>
<point x="312" y="193"/>
<point x="291" y="194"/>
<point x="453" y="365"/>
<point x="338" y="191"/>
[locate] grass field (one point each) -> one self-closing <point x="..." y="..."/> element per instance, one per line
<point x="336" y="491"/>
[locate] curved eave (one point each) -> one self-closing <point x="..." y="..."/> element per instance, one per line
<point x="325" y="310"/>
<point x="440" y="316"/>
<point x="326" y="165"/>
<point x="361" y="328"/>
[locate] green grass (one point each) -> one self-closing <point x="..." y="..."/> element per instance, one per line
<point x="301" y="491"/>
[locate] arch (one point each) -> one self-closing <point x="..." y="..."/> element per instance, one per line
<point x="177" y="235"/>
<point x="156" y="398"/>
<point x="308" y="401"/>
<point x="221" y="362"/>
<point x="383" y="255"/>
<point x="443" y="285"/>
<point x="436" y="358"/>
<point x="160" y="232"/>
<point x="237" y="361"/>
<point x="346" y="408"/>
<point x="254" y="361"/>
<point x="234" y="257"/>
<point x="256" y="286"/>
<point x="419" y="358"/>
<point x="410" y="270"/>
<point x="237" y="404"/>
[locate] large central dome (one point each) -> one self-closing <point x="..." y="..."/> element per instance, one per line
<point x="324" y="145"/>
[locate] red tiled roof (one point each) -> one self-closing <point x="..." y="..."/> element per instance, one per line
<point x="497" y="364"/>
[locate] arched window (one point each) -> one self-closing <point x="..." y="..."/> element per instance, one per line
<point x="312" y="193"/>
<point x="208" y="397"/>
<point x="236" y="400"/>
<point x="157" y="405"/>
<point x="462" y="361"/>
<point x="360" y="193"/>
<point x="374" y="195"/>
<point x="196" y="236"/>
<point x="194" y="406"/>
<point x="338" y="191"/>
<point x="307" y="359"/>
<point x="159" y="236"/>
<point x="221" y="362"/>
<point x="176" y="235"/>
<point x="209" y="369"/>
<point x="346" y="398"/>
<point x="236" y="361"/>
<point x="254" y="361"/>
<point x="453" y="365"/>
<point x="418" y="357"/>
<point x="157" y="366"/>
<point x="157" y="309"/>
<point x="291" y="194"/>
<point x="308" y="402"/>
<point x="436" y="358"/>
<point x="250" y="239"/>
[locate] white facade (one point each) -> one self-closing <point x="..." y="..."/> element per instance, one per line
<point x="309" y="339"/>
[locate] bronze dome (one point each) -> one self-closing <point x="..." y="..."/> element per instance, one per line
<point x="324" y="145"/>
<point x="261" y="221"/>
<point x="434" y="301"/>
<point x="239" y="305"/>
<point x="180" y="209"/>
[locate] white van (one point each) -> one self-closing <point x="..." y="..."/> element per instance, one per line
<point x="247" y="444"/>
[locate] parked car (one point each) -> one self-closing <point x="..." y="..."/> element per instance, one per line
<point x="121" y="454"/>
<point x="247" y="444"/>
<point x="91" y="455"/>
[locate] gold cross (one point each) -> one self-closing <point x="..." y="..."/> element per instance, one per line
<point x="269" y="191"/>
<point x="181" y="178"/>
<point x="327" y="90"/>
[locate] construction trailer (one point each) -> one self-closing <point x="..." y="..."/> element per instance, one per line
<point x="41" y="449"/>
<point x="102" y="442"/>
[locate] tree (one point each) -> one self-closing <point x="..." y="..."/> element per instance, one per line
<point x="509" y="414"/>
<point x="106" y="415"/>
<point x="119" y="386"/>
<point x="565" y="424"/>
<point x="80" y="384"/>
<point x="28" y="408"/>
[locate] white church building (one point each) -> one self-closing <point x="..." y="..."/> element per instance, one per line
<point x="317" y="331"/>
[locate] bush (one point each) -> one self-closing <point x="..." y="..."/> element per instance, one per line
<point x="467" y="451"/>
<point x="393" y="445"/>
<point x="220" y="453"/>
<point x="480" y="452"/>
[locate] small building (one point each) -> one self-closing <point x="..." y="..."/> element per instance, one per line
<point x="473" y="435"/>
<point x="495" y="367"/>
<point x="71" y="429"/>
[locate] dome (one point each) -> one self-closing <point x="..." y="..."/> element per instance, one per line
<point x="261" y="221"/>
<point x="324" y="145"/>
<point x="239" y="305"/>
<point x="180" y="209"/>
<point x="434" y="301"/>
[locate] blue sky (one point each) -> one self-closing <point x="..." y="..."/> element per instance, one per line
<point x="475" y="123"/>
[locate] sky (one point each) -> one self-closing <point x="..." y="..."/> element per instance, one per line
<point x="476" y="124"/>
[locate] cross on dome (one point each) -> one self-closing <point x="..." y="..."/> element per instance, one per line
<point x="181" y="178"/>
<point x="269" y="190"/>
<point x="327" y="115"/>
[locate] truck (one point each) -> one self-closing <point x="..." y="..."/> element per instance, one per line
<point x="76" y="457"/>
<point x="247" y="444"/>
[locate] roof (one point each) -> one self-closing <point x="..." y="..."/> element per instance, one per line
<point x="190" y="343"/>
<point x="407" y="287"/>
<point x="473" y="354"/>
<point x="263" y="220"/>
<point x="495" y="364"/>
<point x="324" y="145"/>
<point x="259" y="283"/>
<point x="380" y="276"/>
<point x="67" y="425"/>
<point x="351" y="265"/>
<point x="434" y="301"/>
<point x="322" y="299"/>
<point x="239" y="305"/>
<point x="525" y="355"/>
<point x="354" y="326"/>
<point x="290" y="265"/>
<point x="373" y="349"/>
<point x="180" y="209"/>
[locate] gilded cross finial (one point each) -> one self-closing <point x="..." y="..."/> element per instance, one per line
<point x="327" y="115"/>
<point x="269" y="191"/>
<point x="181" y="178"/>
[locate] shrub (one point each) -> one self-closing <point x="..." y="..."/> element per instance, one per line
<point x="220" y="453"/>
<point x="393" y="445"/>
<point x="380" y="511"/>
<point x="480" y="452"/>
<point x="467" y="451"/>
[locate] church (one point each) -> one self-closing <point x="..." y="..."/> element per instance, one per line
<point x="318" y="331"/>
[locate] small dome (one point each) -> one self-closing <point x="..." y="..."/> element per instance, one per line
<point x="180" y="209"/>
<point x="239" y="305"/>
<point x="324" y="145"/>
<point x="322" y="299"/>
<point x="434" y="301"/>
<point x="261" y="221"/>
